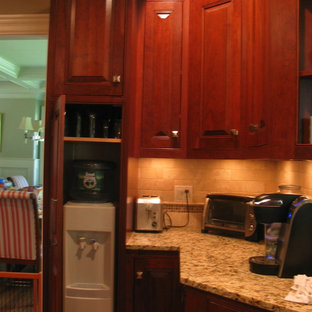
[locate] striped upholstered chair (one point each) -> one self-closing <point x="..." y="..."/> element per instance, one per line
<point x="20" y="238"/>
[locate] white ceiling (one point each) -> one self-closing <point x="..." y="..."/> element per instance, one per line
<point x="22" y="67"/>
<point x="34" y="52"/>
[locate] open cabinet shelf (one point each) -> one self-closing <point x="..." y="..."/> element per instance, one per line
<point x="92" y="140"/>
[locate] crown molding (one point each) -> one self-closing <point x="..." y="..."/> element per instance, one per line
<point x="8" y="68"/>
<point x="24" y="25"/>
<point x="10" y="72"/>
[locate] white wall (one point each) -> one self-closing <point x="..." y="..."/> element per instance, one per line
<point x="12" y="138"/>
<point x="13" y="146"/>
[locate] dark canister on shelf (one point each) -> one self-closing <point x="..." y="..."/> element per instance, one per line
<point x="92" y="125"/>
<point x="106" y="127"/>
<point x="117" y="129"/>
<point x="78" y="122"/>
<point x="93" y="181"/>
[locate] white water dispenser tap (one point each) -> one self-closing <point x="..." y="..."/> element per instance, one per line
<point x="82" y="243"/>
<point x="95" y="244"/>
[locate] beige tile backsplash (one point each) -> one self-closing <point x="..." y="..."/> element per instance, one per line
<point x="251" y="177"/>
<point x="296" y="172"/>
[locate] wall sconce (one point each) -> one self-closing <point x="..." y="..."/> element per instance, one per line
<point x="27" y="124"/>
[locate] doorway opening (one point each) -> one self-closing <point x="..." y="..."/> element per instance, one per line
<point x="23" y="60"/>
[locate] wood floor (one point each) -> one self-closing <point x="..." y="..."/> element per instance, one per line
<point x="16" y="295"/>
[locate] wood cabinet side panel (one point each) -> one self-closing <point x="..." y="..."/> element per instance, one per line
<point x="305" y="34"/>
<point x="283" y="76"/>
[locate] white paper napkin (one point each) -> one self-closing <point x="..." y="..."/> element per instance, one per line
<point x="301" y="291"/>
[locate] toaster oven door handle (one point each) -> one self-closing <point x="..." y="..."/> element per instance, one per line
<point x="205" y="211"/>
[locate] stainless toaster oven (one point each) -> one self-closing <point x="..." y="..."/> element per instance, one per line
<point x="231" y="215"/>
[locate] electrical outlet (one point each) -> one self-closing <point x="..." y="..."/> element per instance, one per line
<point x="180" y="194"/>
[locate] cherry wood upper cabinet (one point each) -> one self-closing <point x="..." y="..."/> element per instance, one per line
<point x="214" y="128"/>
<point x="161" y="111"/>
<point x="270" y="78"/>
<point x="89" y="46"/>
<point x="304" y="147"/>
<point x="255" y="70"/>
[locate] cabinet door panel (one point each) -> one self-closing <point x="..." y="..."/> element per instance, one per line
<point x="89" y="47"/>
<point x="156" y="284"/>
<point x="197" y="300"/>
<point x="194" y="300"/>
<point x="215" y="74"/>
<point x="219" y="307"/>
<point x="157" y="291"/>
<point x="161" y="103"/>
<point x="88" y="54"/>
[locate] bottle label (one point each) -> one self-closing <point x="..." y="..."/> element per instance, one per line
<point x="91" y="181"/>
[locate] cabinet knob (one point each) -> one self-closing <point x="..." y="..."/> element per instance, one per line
<point x="139" y="275"/>
<point x="116" y="78"/>
<point x="256" y="127"/>
<point x="175" y="133"/>
<point x="253" y="127"/>
<point x="234" y="132"/>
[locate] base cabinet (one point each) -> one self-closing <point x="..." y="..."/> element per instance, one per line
<point x="153" y="281"/>
<point x="196" y="300"/>
<point x="153" y="285"/>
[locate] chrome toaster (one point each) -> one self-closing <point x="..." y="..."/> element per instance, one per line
<point x="149" y="215"/>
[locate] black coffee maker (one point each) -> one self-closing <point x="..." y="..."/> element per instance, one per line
<point x="287" y="220"/>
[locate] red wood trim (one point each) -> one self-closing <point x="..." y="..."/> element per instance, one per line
<point x="305" y="73"/>
<point x="37" y="285"/>
<point x="21" y="275"/>
<point x="216" y="3"/>
<point x="93" y="99"/>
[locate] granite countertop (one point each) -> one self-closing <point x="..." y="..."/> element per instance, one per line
<point x="219" y="265"/>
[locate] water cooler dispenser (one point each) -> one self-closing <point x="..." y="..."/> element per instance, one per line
<point x="89" y="240"/>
